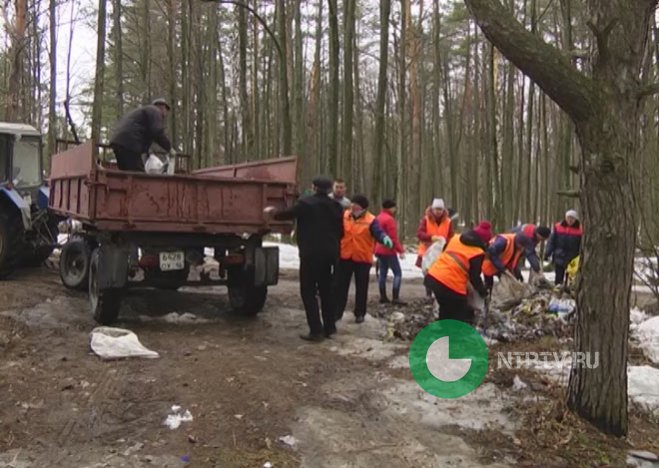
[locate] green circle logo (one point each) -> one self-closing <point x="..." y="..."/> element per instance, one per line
<point x="448" y="359"/>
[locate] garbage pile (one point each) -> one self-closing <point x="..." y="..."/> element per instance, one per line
<point x="516" y="311"/>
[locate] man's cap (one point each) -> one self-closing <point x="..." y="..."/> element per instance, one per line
<point x="161" y="102"/>
<point x="323" y="183"/>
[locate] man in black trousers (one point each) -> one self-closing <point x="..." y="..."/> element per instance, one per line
<point x="319" y="233"/>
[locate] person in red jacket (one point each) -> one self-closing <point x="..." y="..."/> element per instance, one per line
<point x="388" y="257"/>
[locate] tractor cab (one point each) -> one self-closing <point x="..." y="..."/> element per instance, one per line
<point x="21" y="160"/>
<point x="27" y="232"/>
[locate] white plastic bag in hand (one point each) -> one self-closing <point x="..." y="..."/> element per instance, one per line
<point x="153" y="165"/>
<point x="432" y="254"/>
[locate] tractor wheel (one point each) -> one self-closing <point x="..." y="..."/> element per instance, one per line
<point x="105" y="303"/>
<point x="245" y="298"/>
<point x="74" y="263"/>
<point x="11" y="239"/>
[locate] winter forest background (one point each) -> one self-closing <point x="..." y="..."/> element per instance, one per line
<point x="402" y="98"/>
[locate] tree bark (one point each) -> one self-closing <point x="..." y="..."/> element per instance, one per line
<point x="605" y="109"/>
<point x="18" y="45"/>
<point x="99" y="81"/>
<point x="333" y="114"/>
<point x="119" y="56"/>
<point x="52" y="99"/>
<point x="378" y="135"/>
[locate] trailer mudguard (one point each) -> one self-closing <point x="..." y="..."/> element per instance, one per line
<point x="16" y="200"/>
<point x="113" y="266"/>
<point x="42" y="197"/>
<point x="266" y="266"/>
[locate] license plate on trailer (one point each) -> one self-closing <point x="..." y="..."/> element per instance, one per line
<point x="170" y="261"/>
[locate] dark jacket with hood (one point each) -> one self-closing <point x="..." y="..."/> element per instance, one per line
<point x="564" y="243"/>
<point x="139" y="129"/>
<point x="319" y="225"/>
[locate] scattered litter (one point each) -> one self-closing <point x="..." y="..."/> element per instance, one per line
<point x="192" y="439"/>
<point x="174" y="317"/>
<point x="135" y="448"/>
<point x="238" y="416"/>
<point x="117" y="343"/>
<point x="174" y="420"/>
<point x="267" y="465"/>
<point x="519" y="384"/>
<point x="288" y="440"/>
<point x="185" y="458"/>
<point x="642" y="459"/>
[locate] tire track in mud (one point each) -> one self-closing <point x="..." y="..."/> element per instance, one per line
<point x="82" y="426"/>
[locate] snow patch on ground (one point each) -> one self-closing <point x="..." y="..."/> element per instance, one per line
<point x="174" y="317"/>
<point x="647" y="334"/>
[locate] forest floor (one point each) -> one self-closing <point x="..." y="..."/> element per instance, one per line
<point x="349" y="401"/>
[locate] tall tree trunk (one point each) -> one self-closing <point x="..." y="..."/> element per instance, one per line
<point x="606" y="111"/>
<point x="286" y="146"/>
<point x="99" y="81"/>
<point x="52" y="99"/>
<point x="119" y="57"/>
<point x="379" y="167"/>
<point x="346" y="167"/>
<point x="18" y="46"/>
<point x="333" y="116"/>
<point x="172" y="61"/>
<point x="245" y="129"/>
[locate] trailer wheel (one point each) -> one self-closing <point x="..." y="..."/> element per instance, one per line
<point x="74" y="263"/>
<point x="11" y="237"/>
<point x="245" y="298"/>
<point x="105" y="303"/>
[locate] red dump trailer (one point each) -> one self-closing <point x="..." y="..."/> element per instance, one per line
<point x="170" y="220"/>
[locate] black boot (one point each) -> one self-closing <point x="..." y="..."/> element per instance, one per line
<point x="383" y="295"/>
<point x="397" y="300"/>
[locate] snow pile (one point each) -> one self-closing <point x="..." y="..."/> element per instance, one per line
<point x="647" y="334"/>
<point x="643" y="387"/>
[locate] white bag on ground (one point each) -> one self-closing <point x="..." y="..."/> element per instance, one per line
<point x="508" y="292"/>
<point x="432" y="254"/>
<point x="118" y="343"/>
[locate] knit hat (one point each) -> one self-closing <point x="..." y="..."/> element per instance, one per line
<point x="543" y="231"/>
<point x="437" y="204"/>
<point x="572" y="214"/>
<point x="160" y="102"/>
<point x="388" y="204"/>
<point x="322" y="183"/>
<point x="360" y="200"/>
<point x="484" y="231"/>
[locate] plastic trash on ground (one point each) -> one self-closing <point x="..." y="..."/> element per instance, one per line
<point x="561" y="307"/>
<point x="177" y="417"/>
<point x="117" y="343"/>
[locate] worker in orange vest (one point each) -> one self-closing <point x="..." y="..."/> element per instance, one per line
<point x="458" y="265"/>
<point x="360" y="233"/>
<point x="436" y="223"/>
<point x="507" y="252"/>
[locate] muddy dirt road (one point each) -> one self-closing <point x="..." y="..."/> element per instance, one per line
<point x="349" y="401"/>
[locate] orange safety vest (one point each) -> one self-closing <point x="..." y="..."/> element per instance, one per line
<point x="357" y="243"/>
<point x="452" y="267"/>
<point x="434" y="229"/>
<point x="509" y="257"/>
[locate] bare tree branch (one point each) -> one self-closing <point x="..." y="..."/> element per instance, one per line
<point x="544" y="64"/>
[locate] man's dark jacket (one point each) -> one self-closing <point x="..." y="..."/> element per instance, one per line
<point x="139" y="128"/>
<point x="319" y="225"/>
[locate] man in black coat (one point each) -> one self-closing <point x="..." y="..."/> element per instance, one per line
<point x="136" y="131"/>
<point x="564" y="244"/>
<point x="319" y="233"/>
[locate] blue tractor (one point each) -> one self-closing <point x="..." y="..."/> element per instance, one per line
<point x="28" y="234"/>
